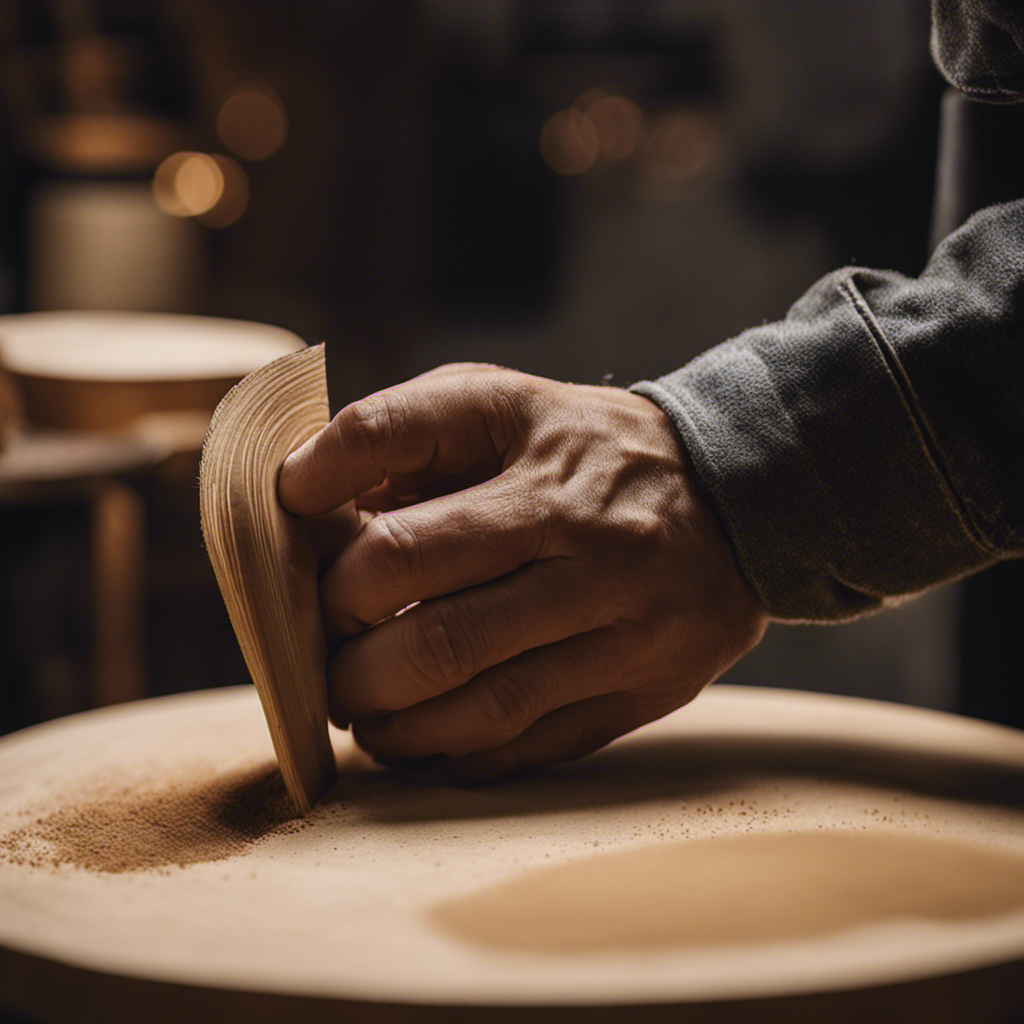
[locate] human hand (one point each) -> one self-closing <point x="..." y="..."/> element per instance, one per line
<point x="544" y="575"/>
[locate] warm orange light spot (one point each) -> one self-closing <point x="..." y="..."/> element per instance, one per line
<point x="252" y="122"/>
<point x="678" y="146"/>
<point x="569" y="142"/>
<point x="212" y="188"/>
<point x="619" y="123"/>
<point x="588" y="98"/>
<point x="234" y="197"/>
<point x="188" y="184"/>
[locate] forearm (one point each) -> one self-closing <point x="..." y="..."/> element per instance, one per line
<point x="867" y="446"/>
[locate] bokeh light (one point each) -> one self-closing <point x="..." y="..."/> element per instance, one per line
<point x="619" y="123"/>
<point x="678" y="146"/>
<point x="188" y="184"/>
<point x="212" y="188"/>
<point x="252" y="122"/>
<point x="569" y="142"/>
<point x="234" y="196"/>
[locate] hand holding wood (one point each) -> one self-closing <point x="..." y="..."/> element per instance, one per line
<point x="544" y="575"/>
<point x="264" y="561"/>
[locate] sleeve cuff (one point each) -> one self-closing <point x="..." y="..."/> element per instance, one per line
<point x="806" y="437"/>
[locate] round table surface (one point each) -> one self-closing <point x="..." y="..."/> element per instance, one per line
<point x="149" y="842"/>
<point x="88" y="345"/>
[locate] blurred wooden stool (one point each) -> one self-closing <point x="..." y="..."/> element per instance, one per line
<point x="53" y="467"/>
<point x="92" y="400"/>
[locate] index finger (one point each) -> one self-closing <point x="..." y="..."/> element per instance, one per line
<point x="449" y="423"/>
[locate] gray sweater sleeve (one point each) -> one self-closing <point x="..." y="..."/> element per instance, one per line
<point x="978" y="46"/>
<point x="871" y="444"/>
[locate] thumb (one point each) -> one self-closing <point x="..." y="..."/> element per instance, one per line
<point x="445" y="423"/>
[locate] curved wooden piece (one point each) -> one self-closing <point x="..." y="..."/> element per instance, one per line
<point x="263" y="561"/>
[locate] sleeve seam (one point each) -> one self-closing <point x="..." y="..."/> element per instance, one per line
<point x="926" y="436"/>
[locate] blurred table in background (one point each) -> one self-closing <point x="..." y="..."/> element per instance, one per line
<point x="102" y="425"/>
<point x="39" y="469"/>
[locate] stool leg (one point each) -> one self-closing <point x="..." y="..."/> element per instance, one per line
<point x="118" y="546"/>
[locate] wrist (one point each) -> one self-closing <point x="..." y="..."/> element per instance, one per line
<point x="710" y="526"/>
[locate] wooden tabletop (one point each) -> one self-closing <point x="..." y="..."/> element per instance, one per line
<point x="148" y="865"/>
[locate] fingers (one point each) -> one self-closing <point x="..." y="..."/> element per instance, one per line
<point x="565" y="734"/>
<point x="427" y="550"/>
<point x="332" y="531"/>
<point x="437" y="646"/>
<point x="503" y="702"/>
<point x="446" y="422"/>
<point x="401" y="489"/>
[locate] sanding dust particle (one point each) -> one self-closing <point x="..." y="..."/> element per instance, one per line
<point x="158" y="826"/>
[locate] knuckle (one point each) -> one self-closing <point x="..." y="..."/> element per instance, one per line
<point x="394" y="547"/>
<point x="369" y="425"/>
<point x="506" y="703"/>
<point x="440" y="647"/>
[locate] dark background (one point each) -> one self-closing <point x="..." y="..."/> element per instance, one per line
<point x="411" y="213"/>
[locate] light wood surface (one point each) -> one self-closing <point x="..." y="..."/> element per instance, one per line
<point x="263" y="562"/>
<point x="101" y="370"/>
<point x="343" y="915"/>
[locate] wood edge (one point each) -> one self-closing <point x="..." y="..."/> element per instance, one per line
<point x="48" y="990"/>
<point x="308" y="767"/>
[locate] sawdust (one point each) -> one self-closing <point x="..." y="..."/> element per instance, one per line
<point x="141" y="827"/>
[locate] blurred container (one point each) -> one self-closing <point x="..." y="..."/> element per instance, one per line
<point x="106" y="245"/>
<point x="96" y="238"/>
